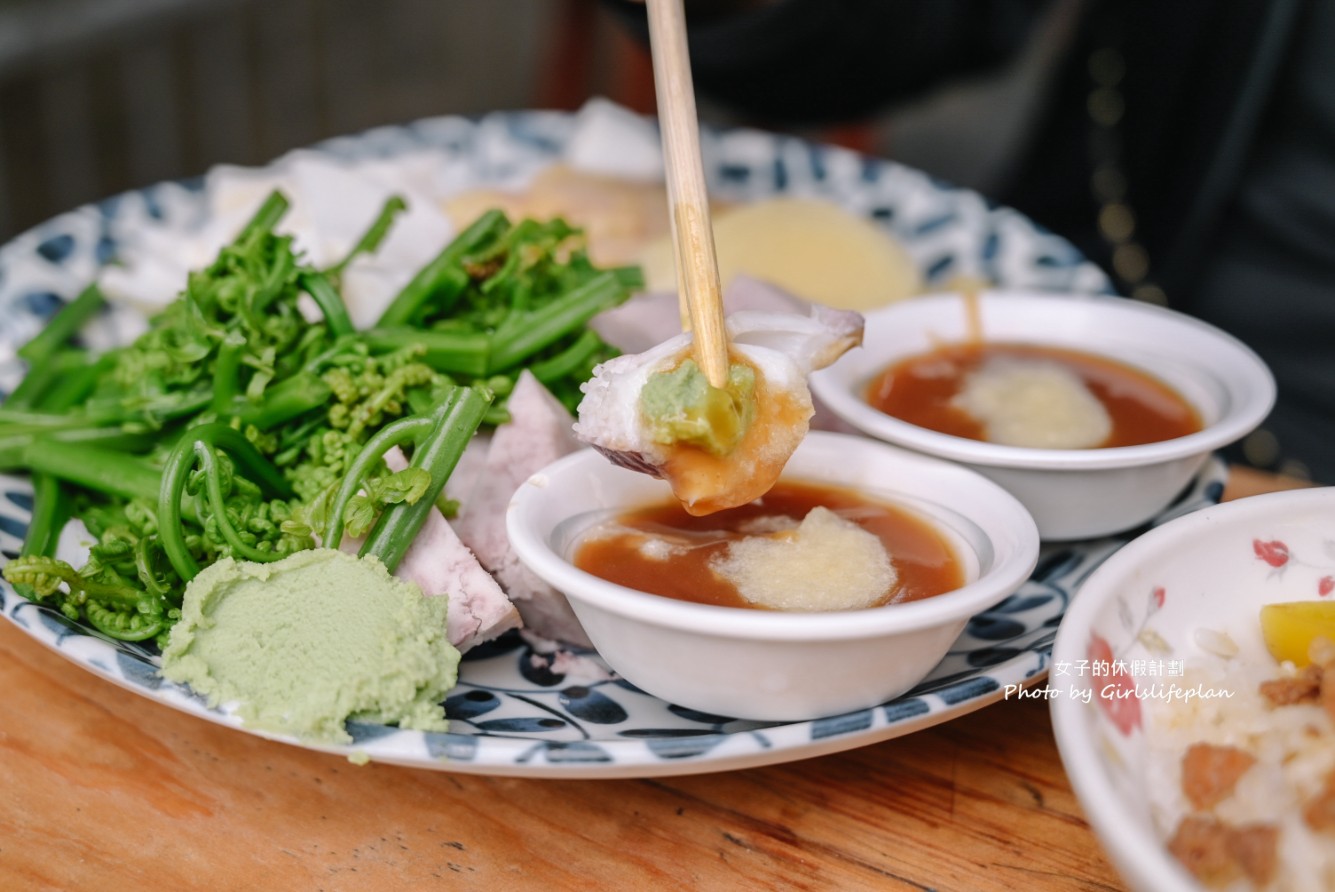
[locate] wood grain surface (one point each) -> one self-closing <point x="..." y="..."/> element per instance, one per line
<point x="101" y="789"/>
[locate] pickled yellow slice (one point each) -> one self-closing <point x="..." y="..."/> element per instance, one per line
<point x="1290" y="628"/>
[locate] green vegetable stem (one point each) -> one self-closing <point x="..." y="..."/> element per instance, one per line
<point x="264" y="219"/>
<point x="329" y="301"/>
<point x="453" y="425"/>
<point x="444" y="278"/>
<point x="398" y="433"/>
<point x="96" y="468"/>
<point x="438" y="440"/>
<point x="199" y="446"/>
<point x="370" y="241"/>
<point x="18" y="440"/>
<point x="50" y="510"/>
<point x="525" y="335"/>
<point x="449" y="352"/>
<point x="43" y="376"/>
<point x="64" y="325"/>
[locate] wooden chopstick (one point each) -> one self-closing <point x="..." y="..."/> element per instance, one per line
<point x="692" y="234"/>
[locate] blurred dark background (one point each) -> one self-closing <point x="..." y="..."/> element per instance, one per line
<point x="100" y="96"/>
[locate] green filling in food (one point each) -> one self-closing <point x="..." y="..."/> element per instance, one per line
<point x="681" y="407"/>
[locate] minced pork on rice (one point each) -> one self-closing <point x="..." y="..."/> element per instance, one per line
<point x="1294" y="751"/>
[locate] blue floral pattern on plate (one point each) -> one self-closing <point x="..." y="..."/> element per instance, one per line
<point x="514" y="712"/>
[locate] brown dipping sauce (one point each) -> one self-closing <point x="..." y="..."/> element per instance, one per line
<point x="925" y="562"/>
<point x="919" y="390"/>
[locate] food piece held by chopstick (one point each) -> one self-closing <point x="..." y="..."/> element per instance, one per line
<point x="718" y="447"/>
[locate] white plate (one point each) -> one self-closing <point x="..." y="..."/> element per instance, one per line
<point x="512" y="714"/>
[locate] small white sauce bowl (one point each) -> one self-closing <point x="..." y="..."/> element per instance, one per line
<point x="1072" y="493"/>
<point x="771" y="665"/>
<point x="1162" y="603"/>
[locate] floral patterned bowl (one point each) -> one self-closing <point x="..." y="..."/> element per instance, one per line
<point x="1176" y="606"/>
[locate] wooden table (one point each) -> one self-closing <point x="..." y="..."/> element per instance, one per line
<point x="103" y="790"/>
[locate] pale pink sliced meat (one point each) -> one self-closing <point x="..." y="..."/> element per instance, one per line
<point x="466" y="472"/>
<point x="443" y="566"/>
<point x="537" y="434"/>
